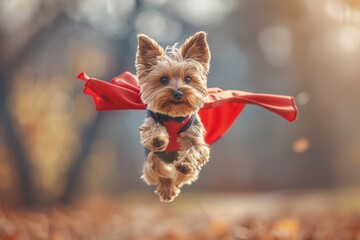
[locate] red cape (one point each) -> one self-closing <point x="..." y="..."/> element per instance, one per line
<point x="220" y="110"/>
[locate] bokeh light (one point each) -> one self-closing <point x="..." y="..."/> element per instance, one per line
<point x="301" y="145"/>
<point x="276" y="44"/>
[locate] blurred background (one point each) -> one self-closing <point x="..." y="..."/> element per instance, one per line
<point x="55" y="147"/>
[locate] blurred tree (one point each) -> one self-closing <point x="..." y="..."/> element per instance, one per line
<point x="9" y="63"/>
<point x="78" y="164"/>
<point x="14" y="143"/>
<point x="47" y="18"/>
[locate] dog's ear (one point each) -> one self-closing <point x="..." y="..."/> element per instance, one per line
<point x="197" y="48"/>
<point x="147" y="52"/>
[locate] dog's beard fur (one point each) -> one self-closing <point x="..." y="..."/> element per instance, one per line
<point x="191" y="60"/>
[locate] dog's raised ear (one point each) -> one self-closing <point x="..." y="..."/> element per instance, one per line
<point x="147" y="52"/>
<point x="197" y="48"/>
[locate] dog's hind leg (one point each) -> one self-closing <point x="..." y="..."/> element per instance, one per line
<point x="157" y="172"/>
<point x="167" y="190"/>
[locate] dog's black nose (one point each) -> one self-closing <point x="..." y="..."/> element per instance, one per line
<point x="178" y="95"/>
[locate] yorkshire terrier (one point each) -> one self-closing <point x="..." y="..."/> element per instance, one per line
<point x="173" y="84"/>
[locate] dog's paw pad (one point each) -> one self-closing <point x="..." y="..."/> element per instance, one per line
<point x="158" y="142"/>
<point x="184" y="168"/>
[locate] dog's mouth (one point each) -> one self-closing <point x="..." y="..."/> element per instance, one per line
<point x="175" y="102"/>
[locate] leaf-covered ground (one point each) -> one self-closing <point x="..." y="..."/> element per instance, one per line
<point x="138" y="216"/>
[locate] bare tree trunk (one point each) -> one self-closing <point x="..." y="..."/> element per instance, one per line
<point x="73" y="178"/>
<point x="74" y="174"/>
<point x="8" y="67"/>
<point x="13" y="141"/>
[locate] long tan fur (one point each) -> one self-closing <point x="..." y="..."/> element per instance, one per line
<point x="192" y="60"/>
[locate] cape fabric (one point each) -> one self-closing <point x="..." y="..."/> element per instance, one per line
<point x="219" y="112"/>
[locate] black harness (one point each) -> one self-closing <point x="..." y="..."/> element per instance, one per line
<point x="169" y="156"/>
<point x="161" y="118"/>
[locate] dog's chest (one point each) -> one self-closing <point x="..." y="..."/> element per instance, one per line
<point x="174" y="128"/>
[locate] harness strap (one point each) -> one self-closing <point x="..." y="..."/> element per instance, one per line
<point x="161" y="118"/>
<point x="188" y="124"/>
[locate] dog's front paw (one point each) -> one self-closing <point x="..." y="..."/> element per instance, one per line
<point x="157" y="144"/>
<point x="160" y="143"/>
<point x="185" y="168"/>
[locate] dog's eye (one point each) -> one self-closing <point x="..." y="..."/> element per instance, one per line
<point x="187" y="79"/>
<point x="164" y="80"/>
